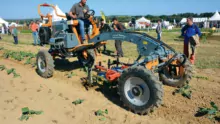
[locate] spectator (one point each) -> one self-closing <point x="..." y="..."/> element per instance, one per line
<point x="5" y="28"/>
<point x="15" y="34"/>
<point x="159" y="30"/>
<point x="38" y="29"/>
<point x="189" y="31"/>
<point x="118" y="43"/>
<point x="9" y="31"/>
<point x="104" y="28"/>
<point x="34" y="27"/>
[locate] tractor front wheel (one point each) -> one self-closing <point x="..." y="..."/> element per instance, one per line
<point x="140" y="90"/>
<point x="45" y="64"/>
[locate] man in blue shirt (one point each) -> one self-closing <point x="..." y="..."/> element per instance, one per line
<point x="188" y="32"/>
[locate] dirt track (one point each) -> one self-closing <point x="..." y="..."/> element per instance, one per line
<point x="55" y="95"/>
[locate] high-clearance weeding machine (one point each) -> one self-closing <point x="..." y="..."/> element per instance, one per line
<point x="138" y="87"/>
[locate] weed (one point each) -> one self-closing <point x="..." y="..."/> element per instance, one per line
<point x="9" y="71"/>
<point x="26" y="113"/>
<point x="19" y="56"/>
<point x="201" y="77"/>
<point x="212" y="113"/>
<point x="101" y="113"/>
<point x="2" y="67"/>
<point x="71" y="74"/>
<point x="184" y="91"/>
<point x="13" y="71"/>
<point x="79" y="101"/>
<point x="28" y="61"/>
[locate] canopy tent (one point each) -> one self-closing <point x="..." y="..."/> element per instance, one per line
<point x="55" y="17"/>
<point x="2" y="21"/>
<point x="13" y="23"/>
<point x="142" y="22"/>
<point x="215" y="17"/>
<point x="196" y="20"/>
<point x="3" y="27"/>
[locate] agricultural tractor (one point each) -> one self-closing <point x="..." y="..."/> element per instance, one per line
<point x="139" y="87"/>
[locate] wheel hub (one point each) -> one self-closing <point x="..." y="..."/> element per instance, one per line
<point x="137" y="91"/>
<point x="41" y="64"/>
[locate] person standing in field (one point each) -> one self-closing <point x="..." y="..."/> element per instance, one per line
<point x="159" y="30"/>
<point x="39" y="24"/>
<point x="78" y="12"/>
<point x="15" y="34"/>
<point x="104" y="28"/>
<point x="118" y="43"/>
<point x="34" y="27"/>
<point x="189" y="31"/>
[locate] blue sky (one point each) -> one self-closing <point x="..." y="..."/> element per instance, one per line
<point x="20" y="9"/>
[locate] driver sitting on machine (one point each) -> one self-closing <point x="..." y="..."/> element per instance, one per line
<point x="78" y="12"/>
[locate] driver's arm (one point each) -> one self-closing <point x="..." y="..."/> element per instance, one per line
<point x="73" y="15"/>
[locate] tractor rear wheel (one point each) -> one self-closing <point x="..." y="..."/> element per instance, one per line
<point x="45" y="64"/>
<point x="140" y="90"/>
<point x="177" y="76"/>
<point x="44" y="35"/>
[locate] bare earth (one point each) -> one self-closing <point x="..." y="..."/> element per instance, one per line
<point x="55" y="95"/>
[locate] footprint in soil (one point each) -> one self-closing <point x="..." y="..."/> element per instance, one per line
<point x="23" y="82"/>
<point x="55" y="121"/>
<point x="25" y="89"/>
<point x="12" y="83"/>
<point x="38" y="90"/>
<point x="50" y="91"/>
<point x="9" y="101"/>
<point x="69" y="114"/>
<point x="66" y="98"/>
<point x="60" y="95"/>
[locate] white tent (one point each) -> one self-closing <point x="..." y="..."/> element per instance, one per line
<point x="55" y="17"/>
<point x="215" y="17"/>
<point x="13" y="23"/>
<point x="142" y="22"/>
<point x="2" y="21"/>
<point x="196" y="20"/>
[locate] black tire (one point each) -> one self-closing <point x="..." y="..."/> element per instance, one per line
<point x="155" y="90"/>
<point x="167" y="79"/>
<point x="89" y="62"/>
<point x="45" y="64"/>
<point x="44" y="35"/>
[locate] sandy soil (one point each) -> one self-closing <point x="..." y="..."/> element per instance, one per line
<point x="55" y="95"/>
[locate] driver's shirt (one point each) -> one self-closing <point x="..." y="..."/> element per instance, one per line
<point x="78" y="10"/>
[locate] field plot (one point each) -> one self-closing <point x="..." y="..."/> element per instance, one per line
<point x="64" y="100"/>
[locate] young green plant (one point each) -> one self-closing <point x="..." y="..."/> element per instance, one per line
<point x="26" y="113"/>
<point x="212" y="113"/>
<point x="184" y="91"/>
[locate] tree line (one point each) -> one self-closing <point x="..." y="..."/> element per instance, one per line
<point x="170" y="18"/>
<point x="127" y="18"/>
